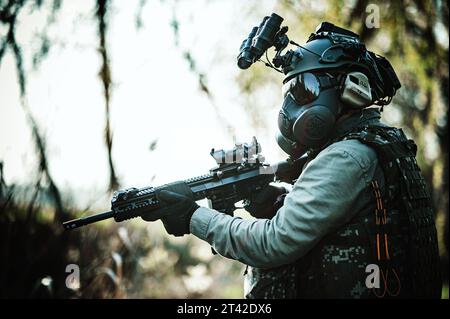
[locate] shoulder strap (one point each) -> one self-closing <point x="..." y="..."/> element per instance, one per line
<point x="390" y="141"/>
<point x="396" y="154"/>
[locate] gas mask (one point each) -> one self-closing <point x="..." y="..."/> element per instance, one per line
<point x="312" y="104"/>
<point x="310" y="108"/>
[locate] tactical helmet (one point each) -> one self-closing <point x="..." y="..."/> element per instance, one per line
<point x="333" y="48"/>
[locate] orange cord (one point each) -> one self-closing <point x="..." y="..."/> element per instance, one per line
<point x="399" y="285"/>
<point x="378" y="246"/>
<point x="383" y="221"/>
<point x="385" y="285"/>
<point x="386" y="247"/>
<point x="385" y="281"/>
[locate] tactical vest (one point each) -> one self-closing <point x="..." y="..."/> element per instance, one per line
<point x="389" y="250"/>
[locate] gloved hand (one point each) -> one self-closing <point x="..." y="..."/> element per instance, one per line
<point x="177" y="206"/>
<point x="266" y="202"/>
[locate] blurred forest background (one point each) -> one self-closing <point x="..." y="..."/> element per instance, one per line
<point x="101" y="94"/>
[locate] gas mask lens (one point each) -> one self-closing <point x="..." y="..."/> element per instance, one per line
<point x="304" y="88"/>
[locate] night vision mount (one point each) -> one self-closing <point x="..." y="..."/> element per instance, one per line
<point x="269" y="33"/>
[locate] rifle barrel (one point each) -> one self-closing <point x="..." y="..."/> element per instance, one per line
<point x="75" y="223"/>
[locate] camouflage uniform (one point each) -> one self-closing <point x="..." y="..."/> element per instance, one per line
<point x="341" y="215"/>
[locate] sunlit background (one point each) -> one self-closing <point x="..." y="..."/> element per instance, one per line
<point x="97" y="95"/>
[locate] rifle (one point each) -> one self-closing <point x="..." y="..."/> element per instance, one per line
<point x="240" y="172"/>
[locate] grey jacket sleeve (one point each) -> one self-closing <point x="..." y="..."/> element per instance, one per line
<point x="323" y="198"/>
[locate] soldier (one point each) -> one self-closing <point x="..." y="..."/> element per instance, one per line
<point x="358" y="222"/>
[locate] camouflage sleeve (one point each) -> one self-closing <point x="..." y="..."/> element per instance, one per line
<point x="328" y="193"/>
